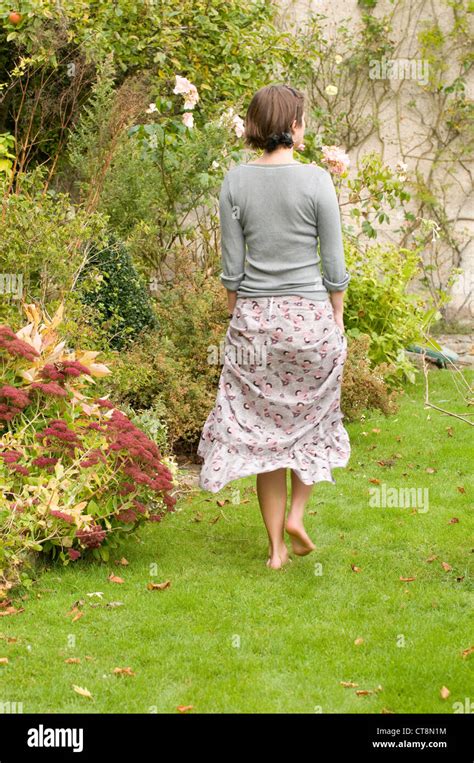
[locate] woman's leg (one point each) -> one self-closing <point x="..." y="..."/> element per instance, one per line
<point x="300" y="494"/>
<point x="272" y="496"/>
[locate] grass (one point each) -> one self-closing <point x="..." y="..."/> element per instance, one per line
<point x="231" y="635"/>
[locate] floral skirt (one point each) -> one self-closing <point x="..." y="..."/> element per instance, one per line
<point x="278" y="400"/>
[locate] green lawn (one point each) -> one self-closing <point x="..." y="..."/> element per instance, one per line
<point x="231" y="635"/>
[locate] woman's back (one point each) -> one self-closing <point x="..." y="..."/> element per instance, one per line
<point x="272" y="216"/>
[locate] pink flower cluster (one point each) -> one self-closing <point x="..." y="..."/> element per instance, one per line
<point x="10" y="458"/>
<point x="49" y="388"/>
<point x="58" y="434"/>
<point x="62" y="515"/>
<point x="15" y="346"/>
<point x="16" y="401"/>
<point x="61" y="370"/>
<point x="93" y="537"/>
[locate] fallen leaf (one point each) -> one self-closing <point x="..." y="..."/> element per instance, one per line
<point x="407" y="580"/>
<point x="462" y="489"/>
<point x="216" y="519"/>
<point x="374" y="481"/>
<point x="446" y="567"/>
<point x="363" y="692"/>
<point x="184" y="708"/>
<point x="159" y="586"/>
<point x="432" y="558"/>
<point x="115" y="604"/>
<point x="122" y="561"/>
<point x="72" y="661"/>
<point x="3" y="660"/>
<point x="376" y="431"/>
<point x="430" y="470"/>
<point x="359" y="641"/>
<point x="468" y="651"/>
<point x="77" y="617"/>
<point x="11" y="611"/>
<point x="82" y="692"/>
<point x="444" y="692"/>
<point x="124" y="671"/>
<point x="355" y="569"/>
<point x="453" y="521"/>
<point x="348" y="684"/>
<point x="115" y="579"/>
<point x="198" y="517"/>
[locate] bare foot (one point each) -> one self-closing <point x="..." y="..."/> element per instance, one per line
<point x="300" y="540"/>
<point x="279" y="558"/>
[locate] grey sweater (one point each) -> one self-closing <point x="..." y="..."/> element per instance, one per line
<point x="271" y="218"/>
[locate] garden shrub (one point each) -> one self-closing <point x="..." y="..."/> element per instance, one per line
<point x="111" y="285"/>
<point x="380" y="302"/>
<point x="78" y="473"/>
<point x="152" y="375"/>
<point x="364" y="385"/>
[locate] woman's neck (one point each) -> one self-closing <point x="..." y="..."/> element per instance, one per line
<point x="279" y="156"/>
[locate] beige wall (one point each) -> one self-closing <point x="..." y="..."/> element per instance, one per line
<point x="406" y="134"/>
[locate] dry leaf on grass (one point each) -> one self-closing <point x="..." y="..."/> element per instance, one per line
<point x="406" y="580"/>
<point x="3" y="660"/>
<point x="159" y="586"/>
<point x="72" y="661"/>
<point x="348" y="684"/>
<point x="184" y="708"/>
<point x="359" y="641"/>
<point x="82" y="692"/>
<point x="11" y="611"/>
<point x="115" y="579"/>
<point x="124" y="671"/>
<point x="444" y="692"/>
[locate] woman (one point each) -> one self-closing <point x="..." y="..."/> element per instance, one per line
<point x="278" y="400"/>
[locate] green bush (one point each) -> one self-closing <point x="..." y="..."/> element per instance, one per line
<point x="381" y="303"/>
<point x="110" y="284"/>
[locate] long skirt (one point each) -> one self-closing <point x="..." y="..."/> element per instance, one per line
<point x="278" y="399"/>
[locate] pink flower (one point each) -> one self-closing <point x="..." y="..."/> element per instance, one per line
<point x="44" y="461"/>
<point x="11" y="456"/>
<point x="91" y="538"/>
<point x="18" y="396"/>
<point x="15" y="346"/>
<point x="128" y="516"/>
<point x="336" y="159"/>
<point x="184" y="87"/>
<point x="61" y="515"/>
<point x="188" y="119"/>
<point x="50" y="388"/>
<point x="73" y="554"/>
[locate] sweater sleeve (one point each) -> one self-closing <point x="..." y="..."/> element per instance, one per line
<point x="335" y="276"/>
<point x="233" y="248"/>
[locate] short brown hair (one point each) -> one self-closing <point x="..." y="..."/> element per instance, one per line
<point x="271" y="112"/>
